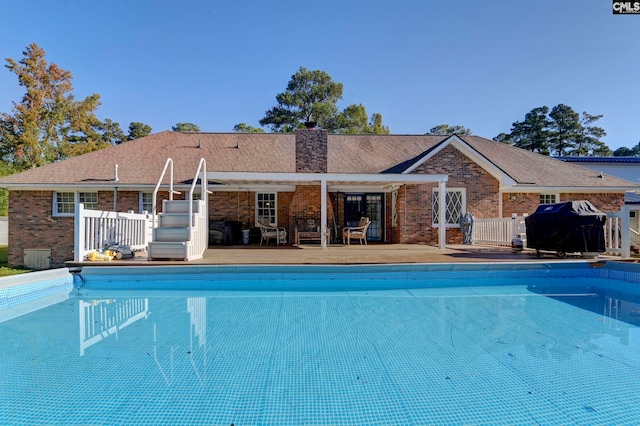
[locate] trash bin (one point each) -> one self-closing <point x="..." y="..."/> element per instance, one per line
<point x="245" y="236"/>
<point x="575" y="226"/>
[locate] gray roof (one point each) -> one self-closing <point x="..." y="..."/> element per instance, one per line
<point x="141" y="161"/>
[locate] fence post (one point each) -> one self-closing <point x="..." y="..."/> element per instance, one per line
<point x="625" y="224"/>
<point x="78" y="233"/>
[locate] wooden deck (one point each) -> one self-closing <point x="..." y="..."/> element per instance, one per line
<point x="355" y="254"/>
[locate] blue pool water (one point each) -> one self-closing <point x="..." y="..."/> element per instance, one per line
<point x="437" y="344"/>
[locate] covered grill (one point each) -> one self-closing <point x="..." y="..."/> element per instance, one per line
<point x="574" y="226"/>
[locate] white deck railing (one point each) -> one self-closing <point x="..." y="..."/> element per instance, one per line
<point x="94" y="229"/>
<point x="199" y="230"/>
<point x="498" y="231"/>
<point x="100" y="319"/>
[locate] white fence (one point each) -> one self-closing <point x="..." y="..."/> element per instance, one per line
<point x="4" y="231"/>
<point x="498" y="231"/>
<point x="94" y="229"/>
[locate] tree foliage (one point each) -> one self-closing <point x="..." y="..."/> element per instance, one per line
<point x="185" y="128"/>
<point x="446" y="129"/>
<point x="312" y="96"/>
<point x="628" y="152"/>
<point x="48" y="124"/>
<point x="243" y="128"/>
<point x="138" y="130"/>
<point x="559" y="132"/>
<point x="354" y="120"/>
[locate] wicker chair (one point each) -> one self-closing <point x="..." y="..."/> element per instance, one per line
<point x="356" y="232"/>
<point x="268" y="231"/>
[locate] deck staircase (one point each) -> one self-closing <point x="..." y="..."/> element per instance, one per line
<point x="181" y="230"/>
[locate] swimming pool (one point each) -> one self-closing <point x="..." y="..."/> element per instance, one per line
<point x="473" y="344"/>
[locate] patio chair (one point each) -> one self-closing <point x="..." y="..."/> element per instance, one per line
<point x="356" y="232"/>
<point x="268" y="231"/>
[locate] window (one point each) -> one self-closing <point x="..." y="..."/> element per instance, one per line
<point x="266" y="207"/>
<point x="64" y="203"/>
<point x="146" y="202"/>
<point x="456" y="206"/>
<point x="547" y="198"/>
<point x="89" y="199"/>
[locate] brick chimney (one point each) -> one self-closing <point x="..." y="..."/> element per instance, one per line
<point x="311" y="151"/>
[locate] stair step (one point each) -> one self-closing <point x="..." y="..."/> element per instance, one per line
<point x="171" y="234"/>
<point x="178" y="206"/>
<point x="167" y="250"/>
<point x="173" y="220"/>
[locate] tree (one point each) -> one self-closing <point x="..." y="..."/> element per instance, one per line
<point x="532" y="134"/>
<point x="445" y="130"/>
<point x="243" y="128"/>
<point x="311" y="96"/>
<point x="564" y="130"/>
<point x="138" y="130"/>
<point x="504" y="138"/>
<point x="49" y="124"/>
<point x="185" y="128"/>
<point x="353" y="120"/>
<point x="627" y="152"/>
<point x="623" y="151"/>
<point x="588" y="141"/>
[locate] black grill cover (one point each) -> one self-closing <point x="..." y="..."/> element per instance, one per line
<point x="576" y="226"/>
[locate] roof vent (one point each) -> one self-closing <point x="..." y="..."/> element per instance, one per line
<point x="115" y="173"/>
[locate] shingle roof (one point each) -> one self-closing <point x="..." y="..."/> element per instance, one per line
<point x="141" y="161"/>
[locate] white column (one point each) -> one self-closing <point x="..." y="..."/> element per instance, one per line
<point x="78" y="233"/>
<point x="625" y="224"/>
<point x="323" y="213"/>
<point x="442" y="215"/>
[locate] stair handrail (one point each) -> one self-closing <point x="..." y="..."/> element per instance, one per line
<point x="203" y="186"/>
<point x="154" y="206"/>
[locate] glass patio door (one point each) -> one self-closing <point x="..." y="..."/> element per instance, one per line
<point x="369" y="205"/>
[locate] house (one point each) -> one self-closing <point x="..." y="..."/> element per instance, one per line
<point x="395" y="180"/>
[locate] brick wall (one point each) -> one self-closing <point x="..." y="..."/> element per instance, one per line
<point x="529" y="202"/>
<point x="33" y="227"/>
<point x="311" y="151"/>
<point x="416" y="222"/>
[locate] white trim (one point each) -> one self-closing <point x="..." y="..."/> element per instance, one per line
<point x="568" y="189"/>
<point x="243" y="179"/>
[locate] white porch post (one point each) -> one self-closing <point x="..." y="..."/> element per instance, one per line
<point x="625" y="224"/>
<point x="442" y="222"/>
<point x="78" y="233"/>
<point x="323" y="213"/>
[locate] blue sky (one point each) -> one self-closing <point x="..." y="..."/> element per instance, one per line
<point x="480" y="64"/>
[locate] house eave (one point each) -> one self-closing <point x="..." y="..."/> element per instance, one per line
<point x="572" y="189"/>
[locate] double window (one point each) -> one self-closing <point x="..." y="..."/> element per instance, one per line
<point x="456" y="206"/>
<point x="64" y="203"/>
<point x="266" y="206"/>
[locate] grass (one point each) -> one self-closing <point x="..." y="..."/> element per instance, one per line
<point x="4" y="269"/>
